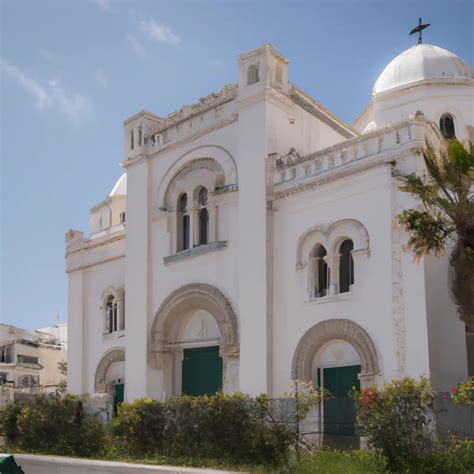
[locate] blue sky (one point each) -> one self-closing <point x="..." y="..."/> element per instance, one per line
<point x="72" y="71"/>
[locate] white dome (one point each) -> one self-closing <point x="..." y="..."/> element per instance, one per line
<point x="120" y="188"/>
<point x="419" y="63"/>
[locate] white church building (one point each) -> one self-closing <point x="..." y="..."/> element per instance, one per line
<point x="253" y="240"/>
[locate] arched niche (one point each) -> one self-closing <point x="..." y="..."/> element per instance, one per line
<point x="109" y="360"/>
<point x="315" y="338"/>
<point x="215" y="159"/>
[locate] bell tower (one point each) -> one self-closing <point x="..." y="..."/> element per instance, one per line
<point x="260" y="69"/>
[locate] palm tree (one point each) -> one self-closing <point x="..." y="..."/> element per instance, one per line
<point x="446" y="192"/>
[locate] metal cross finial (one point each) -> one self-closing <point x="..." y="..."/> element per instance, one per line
<point x="419" y="29"/>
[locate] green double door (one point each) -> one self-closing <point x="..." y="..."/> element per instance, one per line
<point x="339" y="410"/>
<point x="202" y="371"/>
<point x="118" y="395"/>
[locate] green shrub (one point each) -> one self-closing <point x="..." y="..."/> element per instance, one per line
<point x="52" y="425"/>
<point x="139" y="426"/>
<point x="396" y="419"/>
<point x="231" y="427"/>
<point x="451" y="456"/>
<point x="348" y="462"/>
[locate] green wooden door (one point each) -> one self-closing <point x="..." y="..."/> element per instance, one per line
<point x="118" y="395"/>
<point x="202" y="371"/>
<point x="339" y="410"/>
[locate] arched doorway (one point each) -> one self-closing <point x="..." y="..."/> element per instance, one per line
<point x="336" y="354"/>
<point x="336" y="367"/>
<point x="110" y="376"/>
<point x="195" y="342"/>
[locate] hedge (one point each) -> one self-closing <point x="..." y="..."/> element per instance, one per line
<point x="232" y="427"/>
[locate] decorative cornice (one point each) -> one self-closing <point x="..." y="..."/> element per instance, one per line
<point x="182" y="141"/>
<point x="89" y="244"/>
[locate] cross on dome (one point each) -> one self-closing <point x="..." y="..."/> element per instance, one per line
<point x="419" y="30"/>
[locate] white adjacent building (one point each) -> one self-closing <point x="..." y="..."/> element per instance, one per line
<point x="253" y="240"/>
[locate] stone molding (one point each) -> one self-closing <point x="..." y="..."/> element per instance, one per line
<point x="115" y="355"/>
<point x="196" y="251"/>
<point x="331" y="236"/>
<point x="331" y="329"/>
<point x="198" y="296"/>
<point x="224" y="166"/>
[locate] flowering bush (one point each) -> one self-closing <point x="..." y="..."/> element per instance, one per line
<point x="396" y="419"/>
<point x="463" y="394"/>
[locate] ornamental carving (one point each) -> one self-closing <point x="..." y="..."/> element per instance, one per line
<point x="115" y="355"/>
<point x="195" y="296"/>
<point x="318" y="335"/>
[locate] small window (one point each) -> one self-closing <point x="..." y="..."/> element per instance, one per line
<point x="122" y="218"/>
<point x="202" y="197"/>
<point x="346" y="266"/>
<point x="28" y="381"/>
<point x="203" y="217"/>
<point x="6" y="355"/>
<point x="26" y="359"/>
<point x="140" y="136"/>
<point x="3" y="378"/>
<point x="111" y="317"/>
<point x="252" y="75"/>
<point x="183" y="223"/>
<point x="320" y="272"/>
<point x="132" y="140"/>
<point x="446" y="125"/>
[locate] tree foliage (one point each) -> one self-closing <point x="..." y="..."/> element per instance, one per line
<point x="447" y="213"/>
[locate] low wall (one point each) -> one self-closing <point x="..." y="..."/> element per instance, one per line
<point x="60" y="465"/>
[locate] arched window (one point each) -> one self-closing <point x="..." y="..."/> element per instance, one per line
<point x="203" y="217"/>
<point x="446" y="125"/>
<point x="346" y="266"/>
<point x="320" y="272"/>
<point x="183" y="223"/>
<point x="252" y="75"/>
<point x="112" y="316"/>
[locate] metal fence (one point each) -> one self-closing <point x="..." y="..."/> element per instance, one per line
<point x="453" y="419"/>
<point x="449" y="419"/>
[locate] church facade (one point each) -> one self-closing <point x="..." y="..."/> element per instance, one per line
<point x="253" y="240"/>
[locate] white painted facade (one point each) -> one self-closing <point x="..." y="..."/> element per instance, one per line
<point x="283" y="177"/>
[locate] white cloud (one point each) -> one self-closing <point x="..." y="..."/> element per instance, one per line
<point x="101" y="78"/>
<point x="73" y="105"/>
<point x="157" y="32"/>
<point x="104" y="4"/>
<point x="137" y="47"/>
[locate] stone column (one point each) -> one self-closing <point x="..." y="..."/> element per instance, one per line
<point x="333" y="266"/>
<point x="313" y="275"/>
<point x="193" y="227"/>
